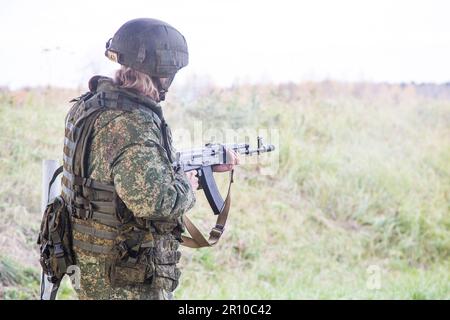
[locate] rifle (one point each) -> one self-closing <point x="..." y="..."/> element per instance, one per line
<point x="202" y="160"/>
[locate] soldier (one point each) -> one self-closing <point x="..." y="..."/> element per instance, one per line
<point x="125" y="199"/>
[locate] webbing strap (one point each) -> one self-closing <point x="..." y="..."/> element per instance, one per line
<point x="69" y="126"/>
<point x="108" y="235"/>
<point x="68" y="176"/>
<point x="58" y="247"/>
<point x="89" y="183"/>
<point x="104" y="207"/>
<point x="108" y="219"/>
<point x="69" y="143"/>
<point x="67" y="159"/>
<point x="48" y="289"/>
<point x="67" y="167"/>
<point x="67" y="191"/>
<point x="197" y="240"/>
<point x="70" y="131"/>
<point x="52" y="180"/>
<point x="92" y="247"/>
<point x="105" y="218"/>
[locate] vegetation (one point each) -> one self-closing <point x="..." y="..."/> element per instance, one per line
<point x="360" y="181"/>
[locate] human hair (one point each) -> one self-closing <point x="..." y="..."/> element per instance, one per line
<point x="129" y="78"/>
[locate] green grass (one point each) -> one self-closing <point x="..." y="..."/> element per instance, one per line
<point x="16" y="281"/>
<point x="362" y="179"/>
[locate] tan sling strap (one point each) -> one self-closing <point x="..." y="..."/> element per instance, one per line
<point x="197" y="240"/>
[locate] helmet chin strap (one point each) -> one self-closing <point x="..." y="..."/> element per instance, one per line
<point x="162" y="94"/>
<point x="163" y="86"/>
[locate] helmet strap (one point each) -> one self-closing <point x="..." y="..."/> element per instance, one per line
<point x="161" y="90"/>
<point x="163" y="86"/>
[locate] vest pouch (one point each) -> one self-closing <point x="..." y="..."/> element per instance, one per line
<point x="131" y="274"/>
<point x="166" y="256"/>
<point x="132" y="265"/>
<point x="166" y="277"/>
<point x="166" y="251"/>
<point x="55" y="240"/>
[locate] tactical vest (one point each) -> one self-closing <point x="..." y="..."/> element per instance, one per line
<point x="139" y="250"/>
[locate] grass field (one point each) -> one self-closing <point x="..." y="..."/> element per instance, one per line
<point x="356" y="205"/>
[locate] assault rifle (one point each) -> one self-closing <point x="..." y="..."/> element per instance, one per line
<point x="202" y="160"/>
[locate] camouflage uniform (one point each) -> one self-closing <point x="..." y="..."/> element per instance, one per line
<point x="126" y="150"/>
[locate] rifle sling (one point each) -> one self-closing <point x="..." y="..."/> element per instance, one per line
<point x="197" y="240"/>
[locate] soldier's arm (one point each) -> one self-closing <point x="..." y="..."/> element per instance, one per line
<point x="143" y="175"/>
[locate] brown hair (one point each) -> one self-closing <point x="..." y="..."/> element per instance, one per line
<point x="129" y="78"/>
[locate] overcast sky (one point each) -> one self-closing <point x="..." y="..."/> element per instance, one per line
<point x="62" y="42"/>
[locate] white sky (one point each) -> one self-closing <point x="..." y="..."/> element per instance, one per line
<point x="62" y="42"/>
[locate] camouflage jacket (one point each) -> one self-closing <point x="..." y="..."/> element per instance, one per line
<point x="127" y="150"/>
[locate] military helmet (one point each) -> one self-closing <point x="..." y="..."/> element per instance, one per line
<point x="150" y="46"/>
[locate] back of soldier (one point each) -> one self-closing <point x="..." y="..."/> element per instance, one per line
<point x="125" y="199"/>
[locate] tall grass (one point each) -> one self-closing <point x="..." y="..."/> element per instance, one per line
<point x="363" y="179"/>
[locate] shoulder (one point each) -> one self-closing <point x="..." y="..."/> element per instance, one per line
<point x="116" y="131"/>
<point x="133" y="126"/>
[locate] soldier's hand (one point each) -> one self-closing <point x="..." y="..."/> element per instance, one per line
<point x="193" y="179"/>
<point x="233" y="159"/>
